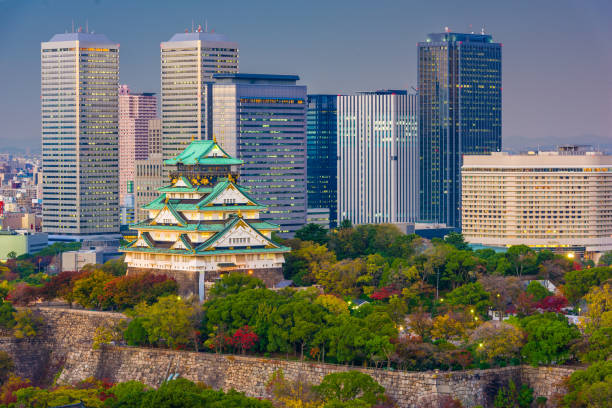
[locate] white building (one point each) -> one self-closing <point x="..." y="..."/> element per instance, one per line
<point x="79" y="82"/>
<point x="188" y="63"/>
<point x="378" y="158"/>
<point x="558" y="200"/>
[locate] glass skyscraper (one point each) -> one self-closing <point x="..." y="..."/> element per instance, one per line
<point x="261" y="119"/>
<point x="322" y="154"/>
<point x="459" y="86"/>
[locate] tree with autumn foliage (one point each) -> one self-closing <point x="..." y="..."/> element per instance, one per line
<point x="244" y="339"/>
<point x="127" y="291"/>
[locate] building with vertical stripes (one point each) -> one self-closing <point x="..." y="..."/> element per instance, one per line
<point x="460" y="84"/>
<point x="261" y="119"/>
<point x="378" y="158"/>
<point x="322" y="155"/>
<point x="79" y="82"/>
<point x="188" y="62"/>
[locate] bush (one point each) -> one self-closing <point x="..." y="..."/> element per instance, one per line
<point x="27" y="324"/>
<point x="136" y="334"/>
<point x="590" y="388"/>
<point x="350" y="386"/>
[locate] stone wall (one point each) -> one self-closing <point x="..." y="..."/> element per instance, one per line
<point x="66" y="341"/>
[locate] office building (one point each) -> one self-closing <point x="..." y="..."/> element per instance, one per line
<point x="21" y="242"/>
<point x="261" y="119"/>
<point x="459" y="88"/>
<point x="188" y="62"/>
<point x="149" y="172"/>
<point x="378" y="163"/>
<point x="204" y="224"/>
<point x="135" y="111"/>
<point x="322" y="154"/>
<point x="559" y="200"/>
<point x="79" y="82"/>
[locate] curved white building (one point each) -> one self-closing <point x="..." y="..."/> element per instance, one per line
<point x="557" y="200"/>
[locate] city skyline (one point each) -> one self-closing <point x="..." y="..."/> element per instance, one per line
<point x="543" y="103"/>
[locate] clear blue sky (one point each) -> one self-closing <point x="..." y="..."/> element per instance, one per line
<point x="557" y="55"/>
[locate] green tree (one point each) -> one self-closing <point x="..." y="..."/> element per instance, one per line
<point x="126" y="395"/>
<point x="523" y="259"/>
<point x="313" y="232"/>
<point x="6" y="366"/>
<point x="27" y="323"/>
<point x="513" y="397"/>
<point x="350" y="386"/>
<point x="306" y="258"/>
<point x="234" y="283"/>
<point x="578" y="283"/>
<point x="605" y="259"/>
<point x="7" y="321"/>
<point x="459" y="268"/>
<point x="548" y="338"/>
<point x="538" y="291"/>
<point x="590" y="388"/>
<point x="470" y="295"/>
<point x="89" y="290"/>
<point x="167" y="322"/>
<point x="456" y="239"/>
<point x="135" y="334"/>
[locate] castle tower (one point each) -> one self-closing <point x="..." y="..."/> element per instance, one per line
<point x="204" y="225"/>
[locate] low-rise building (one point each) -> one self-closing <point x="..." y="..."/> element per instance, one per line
<point x="21" y="242"/>
<point x="560" y="200"/>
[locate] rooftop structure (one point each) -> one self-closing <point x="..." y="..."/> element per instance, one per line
<point x="204" y="225"/>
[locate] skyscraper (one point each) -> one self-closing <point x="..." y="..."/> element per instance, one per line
<point x="79" y="82"/>
<point x="459" y="87"/>
<point x="188" y="62"/>
<point x="378" y="162"/>
<point x="135" y="111"/>
<point x="149" y="172"/>
<point x="322" y="154"/>
<point x="261" y="119"/>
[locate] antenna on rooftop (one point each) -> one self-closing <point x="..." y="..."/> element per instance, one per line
<point x="192" y="25"/>
<point x="482" y="30"/>
<point x="206" y="25"/>
<point x="446" y="29"/>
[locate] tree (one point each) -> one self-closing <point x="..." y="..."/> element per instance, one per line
<point x="294" y="394"/>
<point x="460" y="267"/>
<point x="88" y="291"/>
<point x="244" y="339"/>
<point x="497" y="340"/>
<point x="599" y="300"/>
<point x="590" y="388"/>
<point x="350" y="386"/>
<point x="538" y="291"/>
<point x="10" y="387"/>
<point x="456" y="239"/>
<point x="511" y="397"/>
<point x="523" y="259"/>
<point x="548" y="338"/>
<point x="306" y="258"/>
<point x="436" y="259"/>
<point x="578" y="283"/>
<point x="27" y="324"/>
<point x="420" y="323"/>
<point x="605" y="259"/>
<point x="313" y="232"/>
<point x="234" y="283"/>
<point x="7" y="321"/>
<point x="552" y="303"/>
<point x="332" y="303"/>
<point x="135" y="334"/>
<point x="168" y="322"/>
<point x="23" y="294"/>
<point x="127" y="291"/>
<point x="445" y="327"/>
<point x="471" y="295"/>
<point x="504" y="290"/>
<point x="340" y="278"/>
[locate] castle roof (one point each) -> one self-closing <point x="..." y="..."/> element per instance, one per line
<point x="205" y="152"/>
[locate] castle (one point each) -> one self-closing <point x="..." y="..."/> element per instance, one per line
<point x="204" y="225"/>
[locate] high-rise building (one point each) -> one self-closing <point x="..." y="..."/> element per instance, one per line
<point x="79" y="82"/>
<point x="261" y="119"/>
<point x="188" y="63"/>
<point x="378" y="158"/>
<point x="559" y="200"/>
<point x="135" y="111"/>
<point x="149" y="172"/>
<point x="204" y="224"/>
<point x="322" y="154"/>
<point x="459" y="88"/>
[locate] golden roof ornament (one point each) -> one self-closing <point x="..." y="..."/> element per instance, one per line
<point x="239" y="214"/>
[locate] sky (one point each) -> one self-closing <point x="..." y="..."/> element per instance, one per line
<point x="557" y="55"/>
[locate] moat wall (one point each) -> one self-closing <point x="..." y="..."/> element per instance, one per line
<point x="65" y="343"/>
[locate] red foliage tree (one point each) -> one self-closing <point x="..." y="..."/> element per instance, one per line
<point x="384" y="293"/>
<point x="7" y="391"/>
<point x="525" y="304"/>
<point x="552" y="303"/>
<point x="23" y="294"/>
<point x="127" y="291"/>
<point x="58" y="286"/>
<point x="244" y="338"/>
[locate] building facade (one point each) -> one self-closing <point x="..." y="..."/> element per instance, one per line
<point x="459" y="88"/>
<point x="558" y="200"/>
<point x="188" y="63"/>
<point x="261" y="119"/>
<point x="79" y="82"/>
<point x="204" y="224"/>
<point x="149" y="172"/>
<point x="378" y="161"/>
<point x="322" y="152"/>
<point x="135" y="111"/>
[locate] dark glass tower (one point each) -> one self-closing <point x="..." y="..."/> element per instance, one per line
<point x="459" y="79"/>
<point x="322" y="154"/>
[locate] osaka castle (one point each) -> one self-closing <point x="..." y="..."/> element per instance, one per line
<point x="204" y="225"/>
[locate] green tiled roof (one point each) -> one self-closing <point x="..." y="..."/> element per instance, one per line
<point x="213" y="252"/>
<point x="196" y="153"/>
<point x="207" y="227"/>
